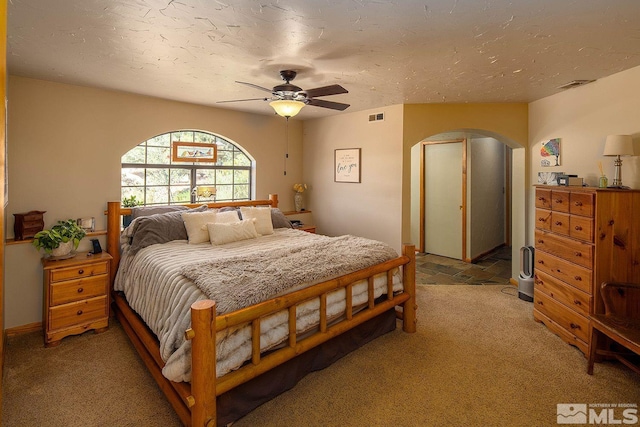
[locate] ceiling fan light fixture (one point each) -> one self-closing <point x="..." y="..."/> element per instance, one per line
<point x="287" y="107"/>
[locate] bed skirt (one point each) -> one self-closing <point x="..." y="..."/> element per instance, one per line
<point x="241" y="400"/>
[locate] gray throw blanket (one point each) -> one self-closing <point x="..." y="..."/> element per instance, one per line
<point x="239" y="281"/>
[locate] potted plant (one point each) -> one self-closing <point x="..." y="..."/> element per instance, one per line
<point x="60" y="239"/>
<point x="129" y="202"/>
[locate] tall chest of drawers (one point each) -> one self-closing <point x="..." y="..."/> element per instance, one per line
<point x="76" y="296"/>
<point x="583" y="237"/>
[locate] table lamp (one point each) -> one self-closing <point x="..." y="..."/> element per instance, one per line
<point x="618" y="145"/>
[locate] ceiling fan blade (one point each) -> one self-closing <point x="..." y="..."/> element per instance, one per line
<point x="255" y="86"/>
<point x="240" y="100"/>
<point x="327" y="104"/>
<point x="325" y="91"/>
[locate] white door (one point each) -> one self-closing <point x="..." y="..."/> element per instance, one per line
<point x="443" y="199"/>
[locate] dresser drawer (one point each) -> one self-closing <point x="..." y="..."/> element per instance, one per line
<point x="543" y="219"/>
<point x="543" y="198"/>
<point x="582" y="204"/>
<point x="567" y="272"/>
<point x="577" y="252"/>
<point x="581" y="227"/>
<point x="85" y="270"/>
<point x="75" y="290"/>
<point x="569" y="320"/>
<point x="560" y="200"/>
<point x="567" y="295"/>
<point x="560" y="222"/>
<point x="76" y="313"/>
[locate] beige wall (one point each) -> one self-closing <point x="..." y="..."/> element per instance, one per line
<point x="65" y="144"/>
<point x="582" y="118"/>
<point x="505" y="122"/>
<point x="371" y="208"/>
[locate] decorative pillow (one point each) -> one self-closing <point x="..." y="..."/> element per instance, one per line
<point x="221" y="232"/>
<point x="279" y="220"/>
<point x="195" y="223"/>
<point x="227" y="216"/>
<point x="138" y="211"/>
<point x="262" y="217"/>
<point x="159" y="228"/>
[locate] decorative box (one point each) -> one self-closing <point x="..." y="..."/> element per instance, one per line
<point x="28" y="224"/>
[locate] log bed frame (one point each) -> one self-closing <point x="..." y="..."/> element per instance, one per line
<point x="195" y="403"/>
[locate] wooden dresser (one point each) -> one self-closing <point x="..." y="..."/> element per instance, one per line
<point x="75" y="296"/>
<point x="583" y="237"/>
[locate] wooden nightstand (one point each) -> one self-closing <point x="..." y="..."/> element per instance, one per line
<point x="76" y="296"/>
<point x="307" y="228"/>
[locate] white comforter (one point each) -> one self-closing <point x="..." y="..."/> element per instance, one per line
<point x="156" y="290"/>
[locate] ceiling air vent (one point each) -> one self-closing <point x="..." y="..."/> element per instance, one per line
<point x="376" y="117"/>
<point x="575" y="83"/>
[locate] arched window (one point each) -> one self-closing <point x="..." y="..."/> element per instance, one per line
<point x="151" y="174"/>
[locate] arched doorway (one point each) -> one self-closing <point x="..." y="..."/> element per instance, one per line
<point x="494" y="167"/>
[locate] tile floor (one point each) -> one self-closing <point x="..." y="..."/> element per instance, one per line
<point x="492" y="269"/>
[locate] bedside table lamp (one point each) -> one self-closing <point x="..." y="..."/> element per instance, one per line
<point x="618" y="145"/>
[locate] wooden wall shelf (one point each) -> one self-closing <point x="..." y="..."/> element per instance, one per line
<point x="19" y="242"/>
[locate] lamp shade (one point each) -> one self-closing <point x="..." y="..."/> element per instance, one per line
<point x="287" y="107"/>
<point x="618" y="145"/>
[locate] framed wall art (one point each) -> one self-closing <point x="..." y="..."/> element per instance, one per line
<point x="346" y="165"/>
<point x="550" y="153"/>
<point x="194" y="152"/>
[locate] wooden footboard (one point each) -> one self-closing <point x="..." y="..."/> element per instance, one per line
<point x="195" y="403"/>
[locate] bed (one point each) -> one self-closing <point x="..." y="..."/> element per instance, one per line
<point x="216" y="356"/>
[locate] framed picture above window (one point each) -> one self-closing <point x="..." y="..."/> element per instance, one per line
<point x="347" y="165"/>
<point x="194" y="152"/>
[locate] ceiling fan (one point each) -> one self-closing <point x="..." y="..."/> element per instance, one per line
<point x="288" y="99"/>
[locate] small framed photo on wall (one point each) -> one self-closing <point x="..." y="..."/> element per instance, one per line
<point x="346" y="165"/>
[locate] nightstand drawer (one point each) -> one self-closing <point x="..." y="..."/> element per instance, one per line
<point x="77" y="272"/>
<point x="567" y="272"/>
<point x="75" y="290"/>
<point x="76" y="313"/>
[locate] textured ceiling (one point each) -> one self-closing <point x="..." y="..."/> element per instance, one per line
<point x="383" y="52"/>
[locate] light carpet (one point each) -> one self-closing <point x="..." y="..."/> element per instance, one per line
<point x="477" y="359"/>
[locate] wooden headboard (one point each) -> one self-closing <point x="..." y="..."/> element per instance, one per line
<point x="115" y="211"/>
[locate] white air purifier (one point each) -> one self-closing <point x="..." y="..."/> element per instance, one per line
<point x="525" y="279"/>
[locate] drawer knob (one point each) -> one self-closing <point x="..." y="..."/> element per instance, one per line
<point x="540" y="241"/>
<point x="578" y="254"/>
<point x="541" y="219"/>
<point x="576" y="302"/>
<point x="578" y="228"/>
<point x="578" y="203"/>
<point x="558" y="222"/>
<point x="574" y="326"/>
<point x="81" y="271"/>
<point x="540" y="303"/>
<point x="558" y="200"/>
<point x="540" y="261"/>
<point x="542" y="199"/>
<point x="80" y="290"/>
<point x="79" y="312"/>
<point x="578" y="278"/>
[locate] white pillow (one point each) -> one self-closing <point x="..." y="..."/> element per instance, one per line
<point x="195" y="223"/>
<point x="262" y="216"/>
<point x="227" y="232"/>
<point x="227" y="216"/>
